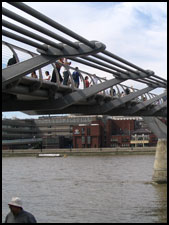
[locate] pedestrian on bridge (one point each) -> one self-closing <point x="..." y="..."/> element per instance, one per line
<point x="127" y="91"/>
<point x="34" y="75"/>
<point x="95" y="79"/>
<point x="112" y="93"/>
<point x="48" y="75"/>
<point x="12" y="61"/>
<point x="58" y="65"/>
<point x="66" y="72"/>
<point x="165" y="97"/>
<point x="17" y="214"/>
<point x="131" y="89"/>
<point x="87" y="82"/>
<point x="76" y="76"/>
<point x="122" y="94"/>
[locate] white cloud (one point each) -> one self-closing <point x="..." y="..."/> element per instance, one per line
<point x="139" y="38"/>
<point x="135" y="31"/>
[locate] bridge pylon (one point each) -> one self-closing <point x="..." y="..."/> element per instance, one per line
<point x="160" y="163"/>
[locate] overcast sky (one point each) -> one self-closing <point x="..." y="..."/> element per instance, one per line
<point x="135" y="31"/>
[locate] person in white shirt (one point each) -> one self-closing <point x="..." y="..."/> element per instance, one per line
<point x="47" y="75"/>
<point x="95" y="79"/>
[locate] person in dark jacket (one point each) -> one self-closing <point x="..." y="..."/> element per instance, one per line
<point x="127" y="91"/>
<point x="76" y="76"/>
<point x="58" y="67"/>
<point x="11" y="61"/>
<point x="17" y="214"/>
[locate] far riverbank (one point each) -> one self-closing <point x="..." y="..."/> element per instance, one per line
<point x="81" y="151"/>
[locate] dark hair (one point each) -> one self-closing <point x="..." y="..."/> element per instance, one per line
<point x="86" y="77"/>
<point x="47" y="72"/>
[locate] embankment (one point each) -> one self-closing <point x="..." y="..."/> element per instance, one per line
<point x="81" y="151"/>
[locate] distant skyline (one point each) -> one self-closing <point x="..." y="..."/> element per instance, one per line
<point x="135" y="31"/>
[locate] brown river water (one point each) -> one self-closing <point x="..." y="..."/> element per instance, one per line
<point x="88" y="189"/>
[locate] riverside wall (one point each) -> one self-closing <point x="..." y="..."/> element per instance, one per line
<point x="81" y="151"/>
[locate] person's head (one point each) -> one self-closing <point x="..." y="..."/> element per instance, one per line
<point x="47" y="73"/>
<point x="15" y="205"/>
<point x="62" y="60"/>
<point x="86" y="78"/>
<point x="76" y="68"/>
<point x="34" y="72"/>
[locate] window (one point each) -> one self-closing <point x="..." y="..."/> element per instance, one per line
<point x="125" y="140"/>
<point x="83" y="139"/>
<point x="83" y="130"/>
<point x="88" y="131"/>
<point x="114" y="139"/>
<point x="125" y="145"/>
<point x="88" y="140"/>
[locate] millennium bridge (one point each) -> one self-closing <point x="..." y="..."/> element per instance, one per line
<point x="36" y="96"/>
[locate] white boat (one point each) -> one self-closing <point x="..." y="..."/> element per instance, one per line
<point x="49" y="155"/>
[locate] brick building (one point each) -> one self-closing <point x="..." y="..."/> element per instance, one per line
<point x="88" y="135"/>
<point x="76" y="131"/>
<point x="117" y="132"/>
<point x="48" y="131"/>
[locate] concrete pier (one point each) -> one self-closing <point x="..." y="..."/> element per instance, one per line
<point x="160" y="163"/>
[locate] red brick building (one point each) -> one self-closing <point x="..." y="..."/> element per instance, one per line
<point x="77" y="132"/>
<point x="118" y="132"/>
<point x="88" y="136"/>
<point x="112" y="133"/>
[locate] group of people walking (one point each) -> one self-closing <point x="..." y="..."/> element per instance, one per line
<point x="66" y="74"/>
<point x="56" y="73"/>
<point x="65" y="80"/>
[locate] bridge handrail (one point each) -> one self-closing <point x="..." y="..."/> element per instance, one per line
<point x="13" y="47"/>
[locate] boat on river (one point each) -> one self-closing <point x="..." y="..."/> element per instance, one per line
<point x="49" y="155"/>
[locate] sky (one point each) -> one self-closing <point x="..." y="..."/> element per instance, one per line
<point x="135" y="31"/>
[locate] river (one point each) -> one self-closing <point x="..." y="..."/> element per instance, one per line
<point x="88" y="189"/>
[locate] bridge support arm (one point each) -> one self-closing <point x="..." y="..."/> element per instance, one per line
<point x="156" y="126"/>
<point x="144" y="104"/>
<point x="17" y="71"/>
<point x="120" y="101"/>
